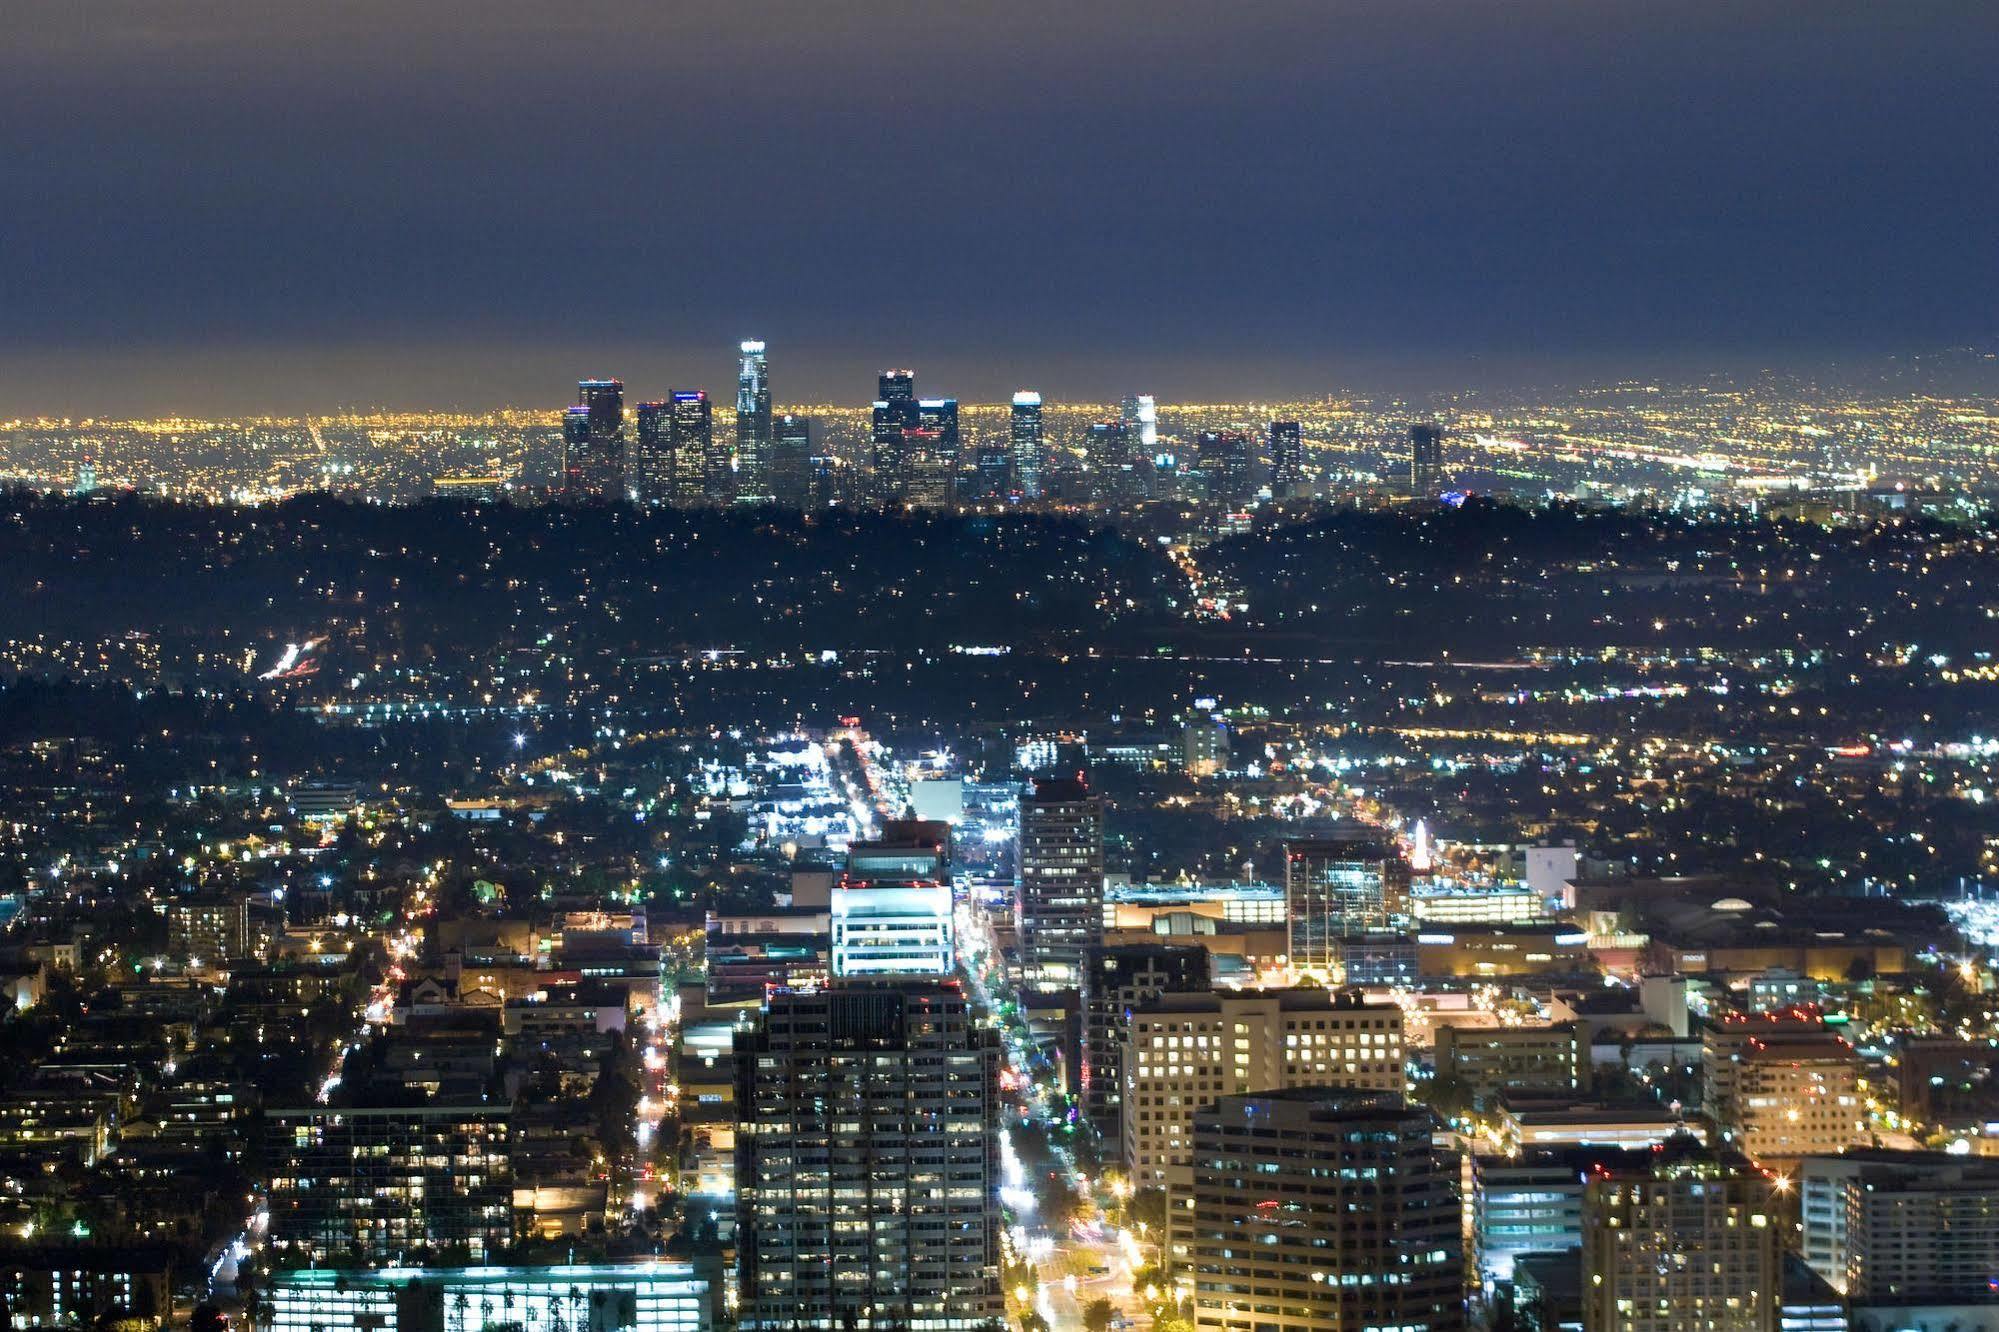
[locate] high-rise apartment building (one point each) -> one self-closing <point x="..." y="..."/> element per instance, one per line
<point x="1026" y="443"/>
<point x="395" y="1184"/>
<point x="1117" y="979"/>
<point x="867" y="1162"/>
<point x="1185" y="1050"/>
<point x="1686" y="1240"/>
<point x="1287" y="460"/>
<point x="1316" y="1210"/>
<point x="791" y="470"/>
<point x="1426" y="460"/>
<point x="1059" y="889"/>
<point x="750" y="480"/>
<point x="1345" y="899"/>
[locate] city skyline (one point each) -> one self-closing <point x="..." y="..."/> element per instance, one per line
<point x="1429" y="186"/>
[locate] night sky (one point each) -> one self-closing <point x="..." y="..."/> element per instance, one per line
<point x="273" y="204"/>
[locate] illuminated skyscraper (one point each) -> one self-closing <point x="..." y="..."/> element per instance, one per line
<point x="1426" y="460"/>
<point x="693" y="445"/>
<point x="894" y="416"/>
<point x="1141" y="415"/>
<point x="868" y="1163"/>
<point x="930" y="453"/>
<point x="651" y="470"/>
<point x="1027" y="444"/>
<point x="1287" y="460"/>
<point x="791" y="461"/>
<point x="1059" y="898"/>
<point x="750" y="483"/>
<point x="593" y="435"/>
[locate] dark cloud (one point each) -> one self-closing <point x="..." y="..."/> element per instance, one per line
<point x="1263" y="194"/>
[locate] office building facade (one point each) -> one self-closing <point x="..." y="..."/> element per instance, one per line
<point x="1287" y="460"/>
<point x="1116" y="980"/>
<point x="1026" y="444"/>
<point x="750" y="479"/>
<point x="867" y="1162"/>
<point x="1315" y="1210"/>
<point x="1185" y="1050"/>
<point x="1059" y="889"/>
<point x="1341" y="894"/>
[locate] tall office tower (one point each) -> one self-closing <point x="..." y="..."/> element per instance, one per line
<point x="1339" y="895"/>
<point x="1183" y="1050"/>
<point x="930" y="453"/>
<point x="1320" y="1210"/>
<point x="1117" y="469"/>
<point x="1224" y="457"/>
<point x="1426" y="460"/>
<point x="693" y="445"/>
<point x="891" y="909"/>
<point x="1287" y="460"/>
<point x="1141" y="416"/>
<point x="1116" y="979"/>
<point x="894" y="416"/>
<point x="1026" y="444"/>
<point x="1059" y="889"/>
<point x="1687" y="1240"/>
<point x="1895" y="1227"/>
<point x="399" y="1184"/>
<point x="751" y="479"/>
<point x="867" y="1162"/>
<point x="651" y="470"/>
<point x="791" y="462"/>
<point x="593" y="434"/>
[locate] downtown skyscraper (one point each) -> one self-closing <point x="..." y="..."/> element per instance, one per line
<point x="915" y="444"/>
<point x="593" y="438"/>
<point x="750" y="483"/>
<point x="1025" y="440"/>
<point x="867" y="1162"/>
<point x="1287" y="460"/>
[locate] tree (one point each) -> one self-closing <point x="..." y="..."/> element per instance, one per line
<point x="1097" y="1315"/>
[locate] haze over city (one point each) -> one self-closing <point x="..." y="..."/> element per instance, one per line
<point x="883" y="667"/>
